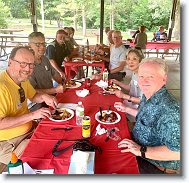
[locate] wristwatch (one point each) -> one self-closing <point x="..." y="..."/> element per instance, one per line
<point x="143" y="149"/>
<point x="129" y="100"/>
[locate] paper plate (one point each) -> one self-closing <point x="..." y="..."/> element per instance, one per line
<point x="109" y="91"/>
<point x="77" y="60"/>
<point x="106" y="123"/>
<point x="61" y="120"/>
<point x="78" y="84"/>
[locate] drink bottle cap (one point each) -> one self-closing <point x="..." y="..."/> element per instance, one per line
<point x="14" y="158"/>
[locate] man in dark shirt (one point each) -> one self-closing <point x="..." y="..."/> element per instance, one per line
<point x="57" y="51"/>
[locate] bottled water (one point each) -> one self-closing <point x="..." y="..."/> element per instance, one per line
<point x="105" y="75"/>
<point x="79" y="113"/>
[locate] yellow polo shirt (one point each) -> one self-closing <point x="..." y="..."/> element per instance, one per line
<point x="10" y="105"/>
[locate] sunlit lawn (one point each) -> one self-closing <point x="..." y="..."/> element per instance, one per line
<point x="50" y="29"/>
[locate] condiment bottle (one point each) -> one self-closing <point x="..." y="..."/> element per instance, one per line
<point x="15" y="166"/>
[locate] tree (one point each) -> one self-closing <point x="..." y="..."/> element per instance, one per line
<point x="4" y="16"/>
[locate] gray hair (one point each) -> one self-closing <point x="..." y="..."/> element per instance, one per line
<point x="35" y="34"/>
<point x="156" y="60"/>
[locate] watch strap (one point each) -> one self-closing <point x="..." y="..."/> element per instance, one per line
<point x="129" y="100"/>
<point x="143" y="149"/>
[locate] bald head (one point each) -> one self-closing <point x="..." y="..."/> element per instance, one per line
<point x="152" y="76"/>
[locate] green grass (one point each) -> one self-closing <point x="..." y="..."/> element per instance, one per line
<point x="50" y="29"/>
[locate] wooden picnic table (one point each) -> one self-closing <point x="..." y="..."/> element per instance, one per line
<point x="10" y="31"/>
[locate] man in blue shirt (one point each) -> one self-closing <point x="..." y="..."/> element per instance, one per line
<point x="156" y="134"/>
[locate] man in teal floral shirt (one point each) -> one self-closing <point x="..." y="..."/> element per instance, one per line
<point x="156" y="135"/>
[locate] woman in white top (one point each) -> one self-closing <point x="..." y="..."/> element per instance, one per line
<point x="132" y="99"/>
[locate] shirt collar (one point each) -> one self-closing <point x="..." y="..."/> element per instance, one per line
<point x="159" y="94"/>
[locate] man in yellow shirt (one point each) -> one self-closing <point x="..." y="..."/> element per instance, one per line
<point x="15" y="119"/>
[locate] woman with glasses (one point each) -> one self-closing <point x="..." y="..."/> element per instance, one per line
<point x="132" y="99"/>
<point x="16" y="122"/>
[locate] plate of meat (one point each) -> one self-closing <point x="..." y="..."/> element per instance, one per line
<point x="111" y="88"/>
<point x="107" y="117"/>
<point x="61" y="114"/>
<point x="72" y="84"/>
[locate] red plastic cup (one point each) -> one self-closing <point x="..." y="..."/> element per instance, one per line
<point x="87" y="83"/>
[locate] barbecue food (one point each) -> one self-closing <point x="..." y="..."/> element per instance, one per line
<point x="70" y="83"/>
<point x="112" y="88"/>
<point x="108" y="117"/>
<point x="61" y="114"/>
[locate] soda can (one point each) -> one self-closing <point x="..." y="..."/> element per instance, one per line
<point x="86" y="127"/>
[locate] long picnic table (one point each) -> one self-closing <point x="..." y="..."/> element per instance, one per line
<point x="19" y="39"/>
<point x="162" y="48"/>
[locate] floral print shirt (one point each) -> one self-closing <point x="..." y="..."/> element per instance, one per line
<point x="158" y="124"/>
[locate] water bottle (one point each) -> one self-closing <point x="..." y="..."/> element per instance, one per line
<point x="79" y="113"/>
<point x="105" y="75"/>
<point x="158" y="36"/>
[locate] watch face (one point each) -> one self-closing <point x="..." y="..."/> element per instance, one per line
<point x="143" y="149"/>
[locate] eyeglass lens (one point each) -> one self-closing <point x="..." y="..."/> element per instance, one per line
<point x="39" y="44"/>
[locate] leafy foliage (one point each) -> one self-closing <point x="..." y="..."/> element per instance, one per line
<point x="127" y="14"/>
<point x="4" y="15"/>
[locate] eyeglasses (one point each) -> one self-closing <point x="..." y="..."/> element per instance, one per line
<point x="22" y="94"/>
<point x="118" y="37"/>
<point x="39" y="44"/>
<point x="24" y="64"/>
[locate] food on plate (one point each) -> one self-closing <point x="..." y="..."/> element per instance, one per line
<point x="108" y="117"/>
<point x="70" y="83"/>
<point x="113" y="87"/>
<point x="61" y="114"/>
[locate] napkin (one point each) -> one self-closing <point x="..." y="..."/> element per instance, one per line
<point x="102" y="84"/>
<point x="82" y="162"/>
<point x="100" y="131"/>
<point x="67" y="105"/>
<point x="82" y="93"/>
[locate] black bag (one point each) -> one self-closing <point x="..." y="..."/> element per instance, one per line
<point x="81" y="145"/>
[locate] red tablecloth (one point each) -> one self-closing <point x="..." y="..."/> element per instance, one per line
<point x="161" y="45"/>
<point x="38" y="153"/>
<point x="69" y="65"/>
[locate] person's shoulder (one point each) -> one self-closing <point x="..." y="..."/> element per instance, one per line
<point x="51" y="44"/>
<point x="45" y="59"/>
<point x="3" y="79"/>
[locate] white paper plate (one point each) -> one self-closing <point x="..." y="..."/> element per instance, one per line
<point x="111" y="91"/>
<point x="97" y="61"/>
<point x="78" y="84"/>
<point x="69" y="110"/>
<point x="107" y="123"/>
<point x="77" y="60"/>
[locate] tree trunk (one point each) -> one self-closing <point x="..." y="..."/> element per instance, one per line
<point x="176" y="30"/>
<point x="112" y="15"/>
<point x="75" y="19"/>
<point x="84" y="21"/>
